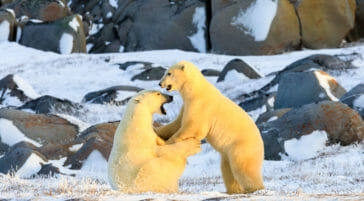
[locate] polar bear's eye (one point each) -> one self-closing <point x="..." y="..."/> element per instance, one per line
<point x="158" y="94"/>
<point x="169" y="74"/>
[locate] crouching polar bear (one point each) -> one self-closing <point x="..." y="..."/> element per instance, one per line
<point x="227" y="127"/>
<point x="137" y="162"/>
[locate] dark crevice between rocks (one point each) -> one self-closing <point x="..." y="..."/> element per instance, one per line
<point x="295" y="5"/>
<point x="208" y="8"/>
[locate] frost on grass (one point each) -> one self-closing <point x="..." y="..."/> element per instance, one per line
<point x="66" y="43"/>
<point x="11" y="135"/>
<point x="256" y="20"/>
<point x="4" y="30"/>
<point x="198" y="40"/>
<point x="306" y="147"/>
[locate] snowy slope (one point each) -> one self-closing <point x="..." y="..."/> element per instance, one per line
<point x="334" y="173"/>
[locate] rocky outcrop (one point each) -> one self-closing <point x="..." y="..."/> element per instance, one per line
<point x="64" y="36"/>
<point x="298" y="89"/>
<point x="253" y="28"/>
<point x="241" y="67"/>
<point x="325" y="23"/>
<point x="342" y="125"/>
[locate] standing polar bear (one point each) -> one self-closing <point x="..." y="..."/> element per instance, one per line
<point x="227" y="127"/>
<point x="137" y="162"/>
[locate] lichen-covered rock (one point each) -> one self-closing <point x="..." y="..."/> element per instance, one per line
<point x="253" y="27"/>
<point x="44" y="10"/>
<point x="298" y="89"/>
<point x="325" y="23"/>
<point x="342" y="124"/>
<point x="64" y="36"/>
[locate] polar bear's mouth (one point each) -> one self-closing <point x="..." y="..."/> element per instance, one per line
<point x="169" y="87"/>
<point x="163" y="110"/>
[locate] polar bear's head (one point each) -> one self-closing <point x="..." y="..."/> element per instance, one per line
<point x="178" y="75"/>
<point x="153" y="100"/>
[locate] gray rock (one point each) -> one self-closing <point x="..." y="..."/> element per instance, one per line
<point x="109" y="95"/>
<point x="99" y="137"/>
<point x="17" y="155"/>
<point x="3" y="147"/>
<point x="61" y="36"/>
<point x="241" y="67"/>
<point x="257" y="102"/>
<point x="342" y="125"/>
<point x="154" y="73"/>
<point x="52" y="105"/>
<point x="210" y="72"/>
<point x="298" y="89"/>
<point x="353" y="95"/>
<point x="41" y="128"/>
<point x="271" y="115"/>
<point x="48" y="170"/>
<point x="126" y="65"/>
<point x="9" y="89"/>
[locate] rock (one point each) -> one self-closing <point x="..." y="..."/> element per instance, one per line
<point x="259" y="101"/>
<point x="3" y="147"/>
<point x="64" y="36"/>
<point x="99" y="137"/>
<point x="155" y="73"/>
<point x="111" y="95"/>
<point x="17" y="156"/>
<point x="325" y="23"/>
<point x="48" y="170"/>
<point x="7" y="25"/>
<point x="298" y="89"/>
<point x="271" y="115"/>
<point x="102" y="40"/>
<point x="4" y="2"/>
<point x="44" y="10"/>
<point x="144" y="65"/>
<point x="56" y="151"/>
<point x="342" y="125"/>
<point x="358" y="30"/>
<point x="210" y="72"/>
<point x="41" y="128"/>
<point x="241" y="67"/>
<point x="52" y="105"/>
<point x="15" y="91"/>
<point x="253" y="28"/>
<point x="355" y="99"/>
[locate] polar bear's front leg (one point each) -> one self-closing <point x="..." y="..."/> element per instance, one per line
<point x="166" y="131"/>
<point x="180" y="149"/>
<point x="190" y="129"/>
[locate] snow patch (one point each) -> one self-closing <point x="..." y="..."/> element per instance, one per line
<point x="25" y="87"/>
<point x="359" y="102"/>
<point x="75" y="147"/>
<point x="18" y="33"/>
<point x="61" y="3"/>
<point x="89" y="47"/>
<point x="95" y="28"/>
<point x="257" y="19"/>
<point x="4" y="30"/>
<point x="324" y="80"/>
<point x="73" y="120"/>
<point x="66" y="44"/>
<point x="121" y="49"/>
<point x="11" y="11"/>
<point x="11" y="135"/>
<point x="74" y="24"/>
<point x="308" y="146"/>
<point x="114" y="3"/>
<point x="235" y="75"/>
<point x="95" y="165"/>
<point x="8" y="99"/>
<point x="31" y="166"/>
<point x="272" y="118"/>
<point x="109" y="15"/>
<point x="198" y="40"/>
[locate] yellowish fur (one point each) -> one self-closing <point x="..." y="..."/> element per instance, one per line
<point x="227" y="127"/>
<point x="137" y="163"/>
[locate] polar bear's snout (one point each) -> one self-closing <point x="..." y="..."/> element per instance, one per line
<point x="168" y="99"/>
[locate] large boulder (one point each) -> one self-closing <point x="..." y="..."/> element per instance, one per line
<point x="298" y="89"/>
<point x="52" y="105"/>
<point x="154" y="73"/>
<point x="22" y="160"/>
<point x="118" y="95"/>
<point x="358" y="31"/>
<point x="355" y="99"/>
<point x="253" y="27"/>
<point x="241" y="67"/>
<point x="178" y="25"/>
<point x="342" y="125"/>
<point x="99" y="137"/>
<point x="64" y="36"/>
<point x="325" y="23"/>
<point x="15" y="91"/>
<point x="7" y="24"/>
<point x="41" y="128"/>
<point x="44" y="10"/>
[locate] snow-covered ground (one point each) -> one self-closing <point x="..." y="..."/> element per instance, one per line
<point x="334" y="173"/>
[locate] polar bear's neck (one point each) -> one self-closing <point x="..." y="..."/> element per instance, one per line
<point x="194" y="87"/>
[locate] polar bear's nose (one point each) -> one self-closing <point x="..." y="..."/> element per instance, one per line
<point x="160" y="84"/>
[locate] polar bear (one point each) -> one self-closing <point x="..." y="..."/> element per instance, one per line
<point x="226" y="126"/>
<point x="137" y="162"/>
